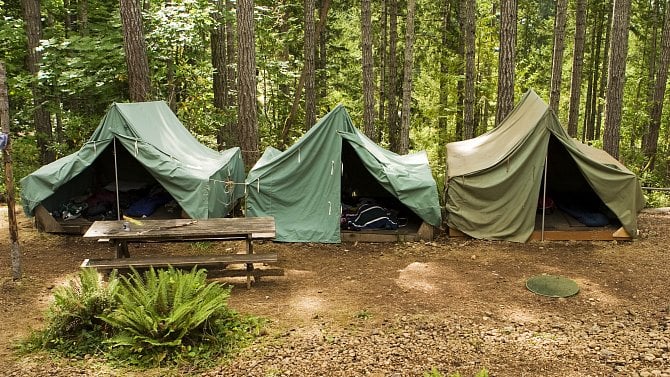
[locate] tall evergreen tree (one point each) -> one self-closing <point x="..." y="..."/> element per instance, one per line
<point x="506" y="59"/>
<point x="650" y="140"/>
<point x="577" y="65"/>
<point x="41" y="116"/>
<point x="247" y="122"/>
<point x="468" y="32"/>
<point x="392" y="92"/>
<point x="368" y="73"/>
<point x="557" y="60"/>
<point x="310" y="65"/>
<point x="134" y="46"/>
<point x="616" y="76"/>
<point x="408" y="71"/>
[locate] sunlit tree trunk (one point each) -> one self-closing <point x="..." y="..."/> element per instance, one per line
<point x="650" y="141"/>
<point x="577" y="65"/>
<point x="15" y="250"/>
<point x="139" y="81"/>
<point x="506" y="59"/>
<point x="246" y="67"/>
<point x="310" y="65"/>
<point x="220" y="79"/>
<point x="368" y="74"/>
<point x="557" y="60"/>
<point x="616" y="76"/>
<point x="468" y="32"/>
<point x="41" y="116"/>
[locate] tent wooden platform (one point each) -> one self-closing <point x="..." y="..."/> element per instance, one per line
<point x="410" y="233"/>
<point x="559" y="226"/>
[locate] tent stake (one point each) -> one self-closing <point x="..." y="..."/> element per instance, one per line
<point x="116" y="183"/>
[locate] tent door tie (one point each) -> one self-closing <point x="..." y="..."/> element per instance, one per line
<point x="95" y="148"/>
<point x="137" y="151"/>
<point x="258" y="185"/>
<point x="332" y="167"/>
<point x="330" y="208"/>
<point x="299" y="152"/>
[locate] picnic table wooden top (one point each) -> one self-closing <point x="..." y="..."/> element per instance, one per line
<point x="140" y="229"/>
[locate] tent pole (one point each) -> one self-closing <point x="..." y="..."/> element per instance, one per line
<point x="116" y="183"/>
<point x="544" y="194"/>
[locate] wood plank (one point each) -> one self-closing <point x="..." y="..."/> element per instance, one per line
<point x="180" y="261"/>
<point x="256" y="273"/>
<point x="579" y="235"/>
<point x="362" y="236"/>
<point x="184" y="228"/>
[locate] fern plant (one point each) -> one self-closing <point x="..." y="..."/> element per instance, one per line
<point x="170" y="314"/>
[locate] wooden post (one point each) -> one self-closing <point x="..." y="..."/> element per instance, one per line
<point x="9" y="176"/>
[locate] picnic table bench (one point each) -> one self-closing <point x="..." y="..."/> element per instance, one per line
<point x="120" y="233"/>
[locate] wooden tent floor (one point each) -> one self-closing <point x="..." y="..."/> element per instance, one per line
<point x="412" y="232"/>
<point x="559" y="226"/>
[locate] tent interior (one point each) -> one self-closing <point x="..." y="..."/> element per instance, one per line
<point x="91" y="195"/>
<point x="360" y="191"/>
<point x="571" y="204"/>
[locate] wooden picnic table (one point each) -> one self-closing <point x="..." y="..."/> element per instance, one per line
<point x="122" y="232"/>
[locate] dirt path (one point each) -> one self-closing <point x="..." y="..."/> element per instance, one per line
<point x="402" y="309"/>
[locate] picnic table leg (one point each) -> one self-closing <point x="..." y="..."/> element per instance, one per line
<point x="122" y="249"/>
<point x="250" y="266"/>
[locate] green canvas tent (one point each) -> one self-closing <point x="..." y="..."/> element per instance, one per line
<point x="302" y="187"/>
<point x="142" y="143"/>
<point x="496" y="180"/>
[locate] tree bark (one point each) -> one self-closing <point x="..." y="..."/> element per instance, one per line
<point x="310" y="65"/>
<point x="15" y="249"/>
<point x="506" y="59"/>
<point x="577" y="65"/>
<point x="408" y="71"/>
<point x="220" y="80"/>
<point x="246" y="66"/>
<point x="368" y="74"/>
<point x="650" y="141"/>
<point x="557" y="60"/>
<point x="616" y="76"/>
<point x="468" y="32"/>
<point x="383" y="77"/>
<point x="134" y="46"/>
<point x="301" y="82"/>
<point x="82" y="17"/>
<point x="41" y="116"/>
<point x="392" y="92"/>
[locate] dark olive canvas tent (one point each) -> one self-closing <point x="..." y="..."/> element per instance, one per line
<point x="141" y="144"/>
<point x="496" y="181"/>
<point x="303" y="187"/>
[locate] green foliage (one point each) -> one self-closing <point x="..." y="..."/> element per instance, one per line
<point x="169" y="316"/>
<point x="434" y="372"/>
<point x="73" y="326"/>
<point x="159" y="317"/>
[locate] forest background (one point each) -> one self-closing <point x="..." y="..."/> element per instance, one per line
<point x="413" y="74"/>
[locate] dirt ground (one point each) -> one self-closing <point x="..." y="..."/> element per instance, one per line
<point x="401" y="309"/>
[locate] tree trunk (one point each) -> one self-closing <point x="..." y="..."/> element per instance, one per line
<point x="310" y="65"/>
<point x="301" y="82"/>
<point x="592" y="86"/>
<point x="392" y="93"/>
<point x="577" y="65"/>
<point x="468" y="32"/>
<point x="368" y="74"/>
<point x="218" y="42"/>
<point x="603" y="75"/>
<point x="408" y="70"/>
<point x="506" y="59"/>
<point x="443" y="79"/>
<point x="383" y="77"/>
<point x="557" y="60"/>
<point x="322" y="60"/>
<point x="82" y="17"/>
<point x="650" y="141"/>
<point x="15" y="250"/>
<point x="134" y="46"/>
<point x="246" y="67"/>
<point x="41" y="116"/>
<point x="616" y="76"/>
